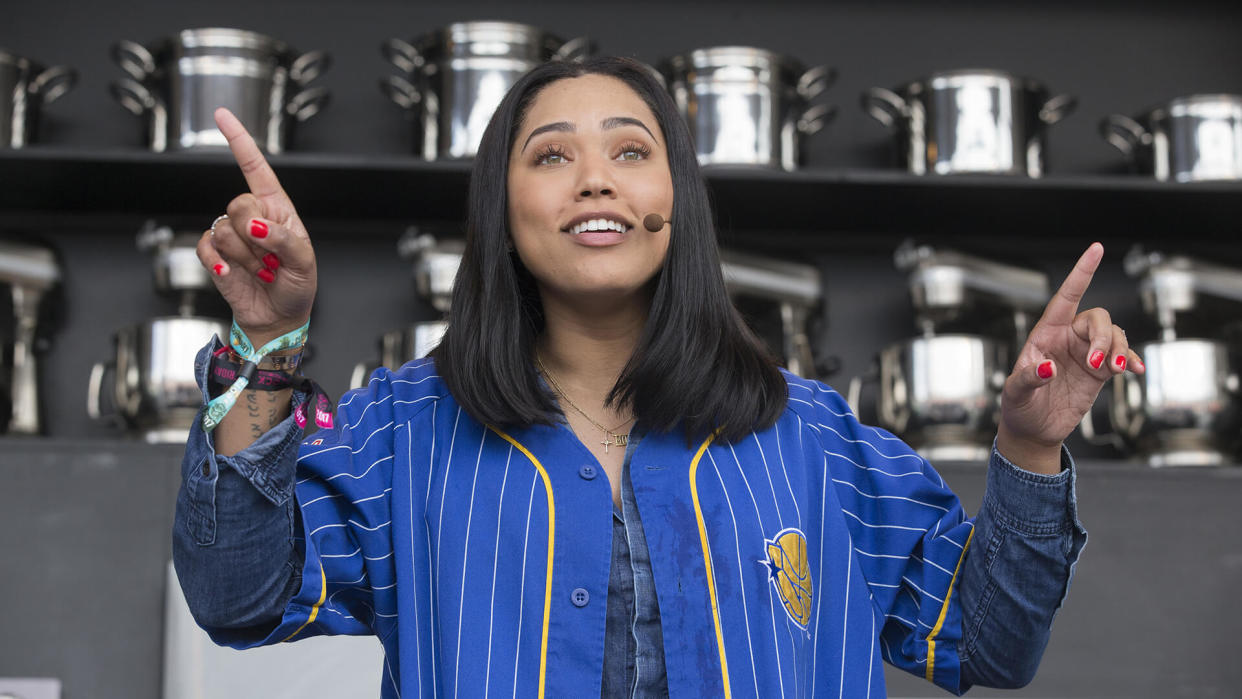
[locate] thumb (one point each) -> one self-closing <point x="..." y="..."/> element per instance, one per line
<point x="1024" y="381"/>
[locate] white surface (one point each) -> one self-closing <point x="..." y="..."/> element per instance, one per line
<point x="319" y="667"/>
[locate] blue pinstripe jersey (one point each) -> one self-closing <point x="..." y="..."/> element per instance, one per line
<point x="789" y="563"/>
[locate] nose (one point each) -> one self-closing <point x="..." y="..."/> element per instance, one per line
<point x="595" y="178"/>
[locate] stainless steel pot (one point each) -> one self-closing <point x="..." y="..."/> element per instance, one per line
<point x="969" y="121"/>
<point x="400" y="346"/>
<point x="25" y="87"/>
<point x="454" y="78"/>
<point x="178" y="84"/>
<point x="1185" y="410"/>
<point x="1189" y="139"/>
<point x="941" y="394"/>
<point x="150" y="385"/>
<point x="748" y="106"/>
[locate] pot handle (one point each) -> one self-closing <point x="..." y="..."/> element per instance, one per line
<point x="885" y="106"/>
<point x="53" y="82"/>
<point x="309" y="66"/>
<point x="1057" y="108"/>
<point x="308" y="102"/>
<point x="814" y="118"/>
<point x="402" y="54"/>
<point x="401" y="91"/>
<point x="574" y="50"/>
<point x="94" y="392"/>
<point x="132" y="96"/>
<point x="815" y="80"/>
<point x="1124" y="133"/>
<point x="133" y="58"/>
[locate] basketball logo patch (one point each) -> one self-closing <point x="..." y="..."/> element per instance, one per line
<point x="790" y="573"/>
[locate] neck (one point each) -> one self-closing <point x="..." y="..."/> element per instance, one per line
<point x="585" y="346"/>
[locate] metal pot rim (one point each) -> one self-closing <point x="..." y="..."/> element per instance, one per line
<point x="1166" y="109"/>
<point x="494" y="30"/>
<point x="221" y="37"/>
<point x="918" y="85"/>
<point x="747" y="55"/>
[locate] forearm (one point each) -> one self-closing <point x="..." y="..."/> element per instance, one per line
<point x="1027" y="539"/>
<point x="254" y="414"/>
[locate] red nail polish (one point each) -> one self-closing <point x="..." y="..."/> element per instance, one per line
<point x="1140" y="364"/>
<point x="1120" y="361"/>
<point x="267" y="276"/>
<point x="218" y="269"/>
<point x="271" y="262"/>
<point x="258" y="229"/>
<point x="1044" y="369"/>
<point x="1097" y="359"/>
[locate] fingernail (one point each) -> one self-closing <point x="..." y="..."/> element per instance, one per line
<point x="1120" y="361"/>
<point x="218" y="269"/>
<point x="258" y="228"/>
<point x="271" y="262"/>
<point x="1096" y="360"/>
<point x="1044" y="369"/>
<point x="267" y="275"/>
<point x="1139" y="363"/>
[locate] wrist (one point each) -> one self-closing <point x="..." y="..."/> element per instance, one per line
<point x="260" y="336"/>
<point x="1030" y="455"/>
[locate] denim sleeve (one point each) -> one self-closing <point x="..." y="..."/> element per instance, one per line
<point x="1016" y="574"/>
<point x="233" y="531"/>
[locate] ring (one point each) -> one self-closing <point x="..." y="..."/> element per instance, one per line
<point x="218" y="220"/>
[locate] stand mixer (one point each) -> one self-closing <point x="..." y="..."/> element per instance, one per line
<point x="435" y="267"/>
<point x="30" y="271"/>
<point x="940" y="391"/>
<point x="153" y="391"/>
<point x="1186" y="409"/>
<point x="796" y="289"/>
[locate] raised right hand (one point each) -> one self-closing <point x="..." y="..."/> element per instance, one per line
<point x="260" y="257"/>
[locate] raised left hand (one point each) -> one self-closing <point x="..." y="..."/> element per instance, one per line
<point x="1059" y="372"/>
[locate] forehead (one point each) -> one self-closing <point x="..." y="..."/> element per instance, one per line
<point x="585" y="101"/>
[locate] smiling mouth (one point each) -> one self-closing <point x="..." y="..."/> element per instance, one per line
<point x="597" y="224"/>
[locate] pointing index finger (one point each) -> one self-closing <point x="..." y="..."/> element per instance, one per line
<point x="1064" y="304"/>
<point x="259" y="175"/>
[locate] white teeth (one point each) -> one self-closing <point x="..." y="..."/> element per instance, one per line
<point x="598" y="224"/>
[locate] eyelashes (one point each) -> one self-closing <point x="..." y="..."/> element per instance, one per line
<point x="553" y="153"/>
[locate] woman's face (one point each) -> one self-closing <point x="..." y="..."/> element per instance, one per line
<point x="588" y="164"/>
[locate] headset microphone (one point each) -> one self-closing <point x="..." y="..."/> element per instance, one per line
<point x="654" y="222"/>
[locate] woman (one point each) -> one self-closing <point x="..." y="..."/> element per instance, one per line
<point x="601" y="483"/>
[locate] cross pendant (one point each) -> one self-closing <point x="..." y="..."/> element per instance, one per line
<point x="607" y="442"/>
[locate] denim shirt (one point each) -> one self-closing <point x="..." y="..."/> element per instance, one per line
<point x="237" y="528"/>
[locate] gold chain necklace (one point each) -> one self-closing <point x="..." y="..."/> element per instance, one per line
<point x="611" y="438"/>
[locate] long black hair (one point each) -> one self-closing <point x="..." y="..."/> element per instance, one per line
<point x="697" y="366"/>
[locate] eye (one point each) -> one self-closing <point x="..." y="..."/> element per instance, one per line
<point x="633" y="150"/>
<point x="551" y="154"/>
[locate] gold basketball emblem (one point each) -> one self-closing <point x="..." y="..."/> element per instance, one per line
<point x="790" y="573"/>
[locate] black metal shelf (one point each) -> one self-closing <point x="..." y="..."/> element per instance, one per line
<point x="342" y="186"/>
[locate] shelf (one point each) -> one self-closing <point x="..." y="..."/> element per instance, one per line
<point x="331" y="186"/>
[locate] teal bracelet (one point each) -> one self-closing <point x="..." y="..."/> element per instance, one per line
<point x="222" y="404"/>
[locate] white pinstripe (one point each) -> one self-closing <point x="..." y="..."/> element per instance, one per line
<point x="359" y="392"/>
<point x="343" y="446"/>
<point x="433" y="575"/>
<point x="871" y="657"/>
<point x="921" y="590"/>
<point x="491" y="614"/>
<point x="409" y="462"/>
<point x="373" y="497"/>
<point x="347" y="426"/>
<point x="780" y="453"/>
<point x="891" y="497"/>
<point x="845" y="623"/>
<point x="530" y="505"/>
<point x="819" y="598"/>
<point x="362" y="475"/>
<point x="740" y="580"/>
<point x="873" y="468"/>
<point x="465" y="560"/>
<point x="876" y="449"/>
<point x="882" y="526"/>
<point x="771" y="603"/>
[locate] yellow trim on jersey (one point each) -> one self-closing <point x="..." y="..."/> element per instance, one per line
<point x="707" y="562"/>
<point x="323" y="595"/>
<point x="944" y="610"/>
<point x="547" y="595"/>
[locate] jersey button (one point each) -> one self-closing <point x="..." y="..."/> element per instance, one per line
<point x="587" y="472"/>
<point x="580" y="597"/>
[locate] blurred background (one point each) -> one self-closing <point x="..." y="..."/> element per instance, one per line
<point x="898" y="187"/>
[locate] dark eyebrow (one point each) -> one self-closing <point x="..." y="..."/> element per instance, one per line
<point x="609" y="123"/>
<point x="555" y="126"/>
<point x="618" y="122"/>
